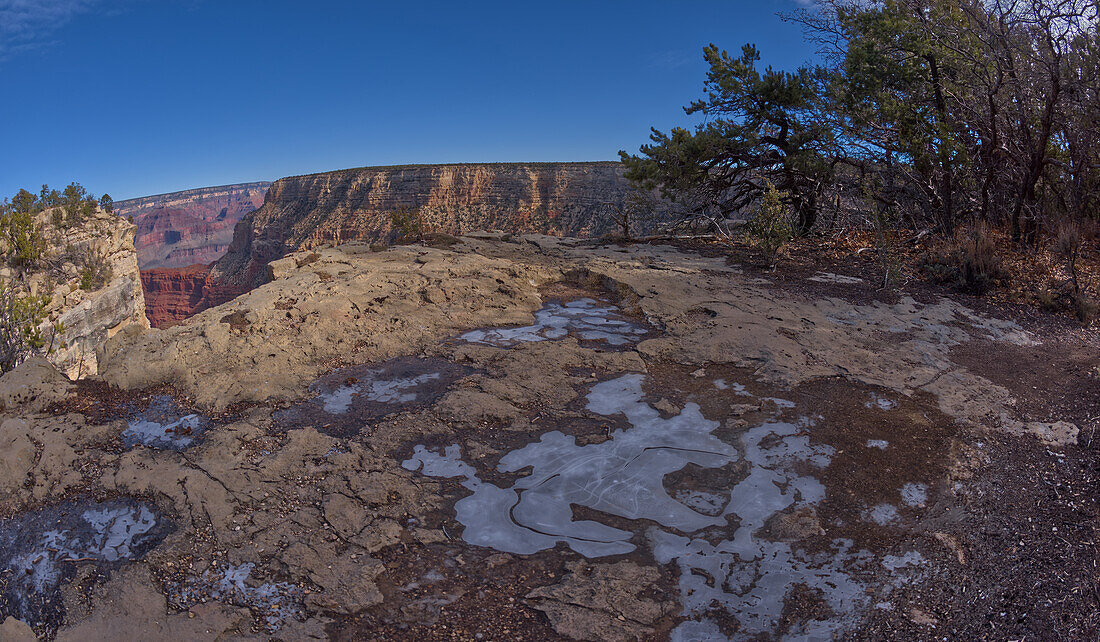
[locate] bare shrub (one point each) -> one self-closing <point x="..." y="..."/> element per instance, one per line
<point x="1068" y="243"/>
<point x="968" y="262"/>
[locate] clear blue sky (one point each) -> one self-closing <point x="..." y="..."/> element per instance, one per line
<point x="136" y="97"/>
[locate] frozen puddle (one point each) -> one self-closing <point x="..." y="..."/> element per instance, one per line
<point x="914" y="494"/>
<point x="882" y="403"/>
<point x="749" y="577"/>
<point x="587" y="319"/>
<point x="277" y="602"/>
<point x="737" y="388"/>
<point x="41" y="550"/>
<point x="622" y="476"/>
<point x="346" y="397"/>
<point x="733" y="570"/>
<point x="163" y="425"/>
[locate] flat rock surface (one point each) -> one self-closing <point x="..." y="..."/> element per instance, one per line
<point x="527" y="438"/>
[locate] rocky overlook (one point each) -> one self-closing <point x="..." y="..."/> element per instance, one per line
<point x="304" y="212"/>
<point x="189" y="227"/>
<point x="536" y="438"/>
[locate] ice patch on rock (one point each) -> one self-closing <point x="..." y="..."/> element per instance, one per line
<point x="737" y="388"/>
<point x="277" y="602"/>
<point x="895" y="562"/>
<point x="882" y="403"/>
<point x="338" y="401"/>
<point x="40" y="550"/>
<point x="883" y="514"/>
<point x="622" y="476"/>
<point x="697" y="631"/>
<point x="346" y="399"/>
<point x="881" y="444"/>
<point x="914" y="494"/>
<point x="906" y="568"/>
<point x="588" y="319"/>
<point x="447" y="464"/>
<point x="164" y="426"/>
<point x="392" y="391"/>
<point x="702" y="501"/>
<point x="747" y="576"/>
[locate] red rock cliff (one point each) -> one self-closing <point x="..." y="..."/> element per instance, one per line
<point x="193" y="226"/>
<point x="173" y="294"/>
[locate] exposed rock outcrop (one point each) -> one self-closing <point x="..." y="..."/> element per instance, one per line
<point x="486" y="280"/>
<point x="189" y="227"/>
<point x="89" y="310"/>
<point x="812" y="458"/>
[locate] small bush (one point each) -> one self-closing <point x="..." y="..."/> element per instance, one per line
<point x="95" y="272"/>
<point x="770" y="229"/>
<point x="968" y="262"/>
<point x="408" y="224"/>
<point x="20" y="318"/>
<point x="23" y="240"/>
<point x="1086" y="308"/>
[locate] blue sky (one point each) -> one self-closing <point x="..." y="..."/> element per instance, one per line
<point x="136" y="97"/>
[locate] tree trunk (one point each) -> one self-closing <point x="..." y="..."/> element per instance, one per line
<point x="947" y="187"/>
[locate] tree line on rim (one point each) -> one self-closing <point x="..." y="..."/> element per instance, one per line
<point x="933" y="115"/>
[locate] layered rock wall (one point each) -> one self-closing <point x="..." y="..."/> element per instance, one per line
<point x="302" y="212"/>
<point x="173" y="294"/>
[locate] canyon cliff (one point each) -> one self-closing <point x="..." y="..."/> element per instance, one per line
<point x="189" y="227"/>
<point x="305" y="212"/>
<point x="173" y="294"/>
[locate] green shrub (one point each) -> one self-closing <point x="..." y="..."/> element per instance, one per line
<point x="95" y="272"/>
<point x="77" y="203"/>
<point x="408" y="223"/>
<point x="23" y="240"/>
<point x="20" y="318"/>
<point x="770" y="229"/>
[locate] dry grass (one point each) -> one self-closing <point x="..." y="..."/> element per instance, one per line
<point x="1038" y="277"/>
